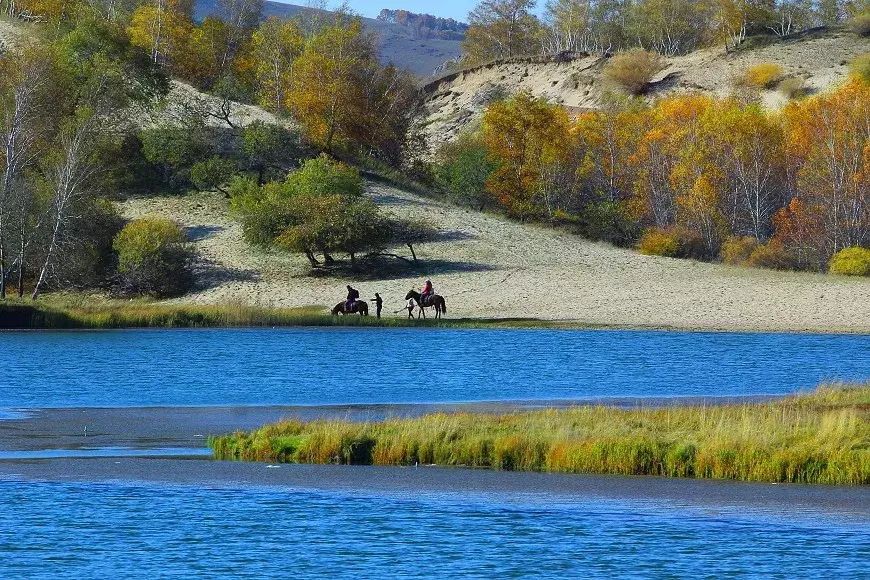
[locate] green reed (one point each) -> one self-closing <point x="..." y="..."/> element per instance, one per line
<point x="821" y="437"/>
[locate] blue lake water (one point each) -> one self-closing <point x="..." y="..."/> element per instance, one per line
<point x="133" y="530"/>
<point x="343" y="366"/>
<point x="99" y="523"/>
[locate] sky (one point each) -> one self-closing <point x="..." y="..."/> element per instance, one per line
<point x="457" y="9"/>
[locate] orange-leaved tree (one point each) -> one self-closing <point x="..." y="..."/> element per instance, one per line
<point x="828" y="138"/>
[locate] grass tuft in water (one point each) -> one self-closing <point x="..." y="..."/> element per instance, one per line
<point x="821" y="437"/>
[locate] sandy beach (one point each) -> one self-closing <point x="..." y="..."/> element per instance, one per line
<point x="488" y="266"/>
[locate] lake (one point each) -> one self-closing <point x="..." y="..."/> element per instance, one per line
<point x="76" y="512"/>
<point x="352" y="366"/>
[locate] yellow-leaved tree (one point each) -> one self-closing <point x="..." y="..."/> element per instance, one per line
<point x="526" y="137"/>
<point x="328" y="83"/>
<point x="276" y="46"/>
<point x="828" y="140"/>
<point x="162" y="27"/>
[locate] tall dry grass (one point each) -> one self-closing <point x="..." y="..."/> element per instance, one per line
<point x="823" y="437"/>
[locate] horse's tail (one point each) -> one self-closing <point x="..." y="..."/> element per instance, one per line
<point x="443" y="305"/>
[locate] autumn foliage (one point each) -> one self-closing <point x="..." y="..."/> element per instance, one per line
<point x="786" y="190"/>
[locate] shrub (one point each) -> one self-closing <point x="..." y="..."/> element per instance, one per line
<point x="860" y="23"/>
<point x="268" y="210"/>
<point x="659" y="242"/>
<point x="736" y="249"/>
<point x="691" y="244"/>
<point x="607" y="221"/>
<point x="792" y="87"/>
<point x="772" y="255"/>
<point x="633" y="70"/>
<point x="851" y="262"/>
<point x="861" y="67"/>
<point x="463" y="168"/>
<point x="765" y="75"/>
<point x="153" y="258"/>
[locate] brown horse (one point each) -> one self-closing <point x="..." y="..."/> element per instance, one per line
<point x="435" y="301"/>
<point x="360" y="307"/>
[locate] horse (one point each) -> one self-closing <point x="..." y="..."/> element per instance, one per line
<point x="434" y="301"/>
<point x="360" y="307"/>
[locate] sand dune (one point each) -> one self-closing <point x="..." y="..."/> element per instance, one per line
<point x="487" y="266"/>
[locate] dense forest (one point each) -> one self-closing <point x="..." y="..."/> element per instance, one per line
<point x="685" y="176"/>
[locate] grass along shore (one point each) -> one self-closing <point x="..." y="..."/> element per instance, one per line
<point x="820" y="437"/>
<point x="82" y="311"/>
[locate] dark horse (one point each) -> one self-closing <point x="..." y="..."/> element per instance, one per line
<point x="360" y="307"/>
<point x="434" y="301"/>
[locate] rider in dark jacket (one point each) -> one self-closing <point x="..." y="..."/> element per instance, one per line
<point x="352" y="297"/>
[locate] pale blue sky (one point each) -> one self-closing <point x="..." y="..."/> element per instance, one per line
<point x="457" y="9"/>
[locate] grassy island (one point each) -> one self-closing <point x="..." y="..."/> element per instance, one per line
<point x="820" y="437"/>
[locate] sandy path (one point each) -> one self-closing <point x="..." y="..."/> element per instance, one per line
<point x="487" y="266"/>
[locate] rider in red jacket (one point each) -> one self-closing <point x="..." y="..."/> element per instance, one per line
<point x="428" y="290"/>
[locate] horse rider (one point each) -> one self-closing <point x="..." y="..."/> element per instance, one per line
<point x="428" y="291"/>
<point x="352" y="297"/>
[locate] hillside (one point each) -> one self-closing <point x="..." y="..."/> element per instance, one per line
<point x="457" y="100"/>
<point x="397" y="43"/>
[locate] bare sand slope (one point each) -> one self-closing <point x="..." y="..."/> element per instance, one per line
<point x="487" y="266"/>
<point x="457" y="101"/>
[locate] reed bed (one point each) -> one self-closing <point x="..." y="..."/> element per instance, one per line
<point x="819" y="437"/>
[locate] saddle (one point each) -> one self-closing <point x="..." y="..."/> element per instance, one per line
<point x="427" y="300"/>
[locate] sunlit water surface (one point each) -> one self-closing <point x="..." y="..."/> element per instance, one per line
<point x="323" y="366"/>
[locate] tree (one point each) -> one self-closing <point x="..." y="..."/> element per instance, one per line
<point x="28" y="77"/>
<point x="277" y="44"/>
<point x="568" y="26"/>
<point x="500" y="29"/>
<point x="523" y="135"/>
<point x="463" y="168"/>
<point x="671" y="27"/>
<point x="328" y="84"/>
<point x="747" y="146"/>
<point x="828" y="140"/>
<point x="161" y="27"/>
<point x="241" y="17"/>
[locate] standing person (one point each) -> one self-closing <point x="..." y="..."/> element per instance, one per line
<point x="352" y="296"/>
<point x="379" y="303"/>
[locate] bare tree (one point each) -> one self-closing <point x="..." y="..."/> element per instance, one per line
<point x="19" y="119"/>
<point x="69" y="177"/>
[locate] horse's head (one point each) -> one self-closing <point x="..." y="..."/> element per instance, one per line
<point x="410" y="295"/>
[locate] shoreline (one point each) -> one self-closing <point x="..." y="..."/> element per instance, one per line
<point x="143" y="427"/>
<point x="120" y="315"/>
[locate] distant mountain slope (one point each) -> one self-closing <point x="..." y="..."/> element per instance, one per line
<point x="397" y="43"/>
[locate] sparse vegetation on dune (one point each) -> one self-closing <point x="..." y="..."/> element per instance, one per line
<point x="822" y="437"/>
